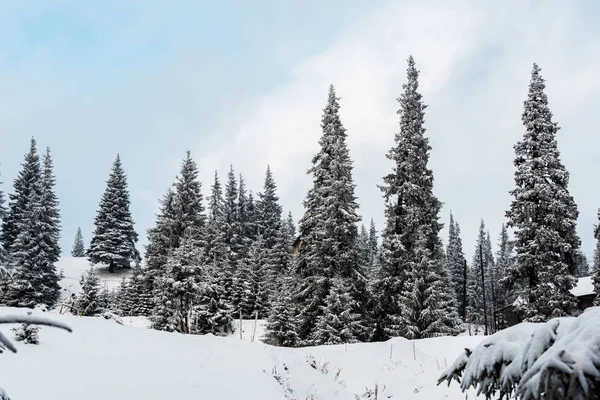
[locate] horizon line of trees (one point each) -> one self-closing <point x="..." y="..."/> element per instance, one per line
<point x="205" y="266"/>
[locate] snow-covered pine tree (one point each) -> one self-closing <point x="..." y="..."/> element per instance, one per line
<point x="256" y="296"/>
<point x="32" y="255"/>
<point x="212" y="315"/>
<point x="338" y="322"/>
<point x="182" y="213"/>
<point x="88" y="302"/>
<point x="51" y="214"/>
<point x="114" y="239"/>
<point x="178" y="289"/>
<point x="329" y="231"/>
<point x="78" y="245"/>
<point x="215" y="223"/>
<point x="491" y="279"/>
<point x="363" y="246"/>
<point x="188" y="204"/>
<point x="3" y="253"/>
<point x="582" y="267"/>
<point x="26" y="182"/>
<point x="281" y="324"/>
<point x="269" y="213"/>
<point x="422" y="311"/>
<point x="504" y="261"/>
<point x="455" y="264"/>
<point x="140" y="299"/>
<point x="161" y="240"/>
<point x="412" y="226"/>
<point x="478" y="285"/>
<point x="244" y="220"/>
<point x="373" y="268"/>
<point x="543" y="214"/>
<point x="596" y="272"/>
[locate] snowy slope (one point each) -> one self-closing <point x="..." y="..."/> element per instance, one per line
<point x="102" y="360"/>
<point x="73" y="268"/>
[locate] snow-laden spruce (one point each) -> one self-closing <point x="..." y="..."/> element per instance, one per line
<point x="114" y="239"/>
<point x="329" y="235"/>
<point x="543" y="215"/>
<point x="455" y="265"/>
<point x="559" y="359"/>
<point x="413" y="290"/>
<point x="33" y="220"/>
<point x="78" y="245"/>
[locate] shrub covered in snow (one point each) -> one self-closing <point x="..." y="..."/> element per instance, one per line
<point x="27" y="333"/>
<point x="559" y="359"/>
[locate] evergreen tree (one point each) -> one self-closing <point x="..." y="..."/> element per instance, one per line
<point x="215" y="224"/>
<point x="455" y="264"/>
<point x="582" y="267"/>
<point x="179" y="288"/>
<point x="411" y="250"/>
<point x="78" y="246"/>
<point x="114" y="239"/>
<point x="338" y="322"/>
<point x="270" y="227"/>
<point x="256" y="296"/>
<point x="32" y="253"/>
<point x="422" y="310"/>
<point x="504" y="261"/>
<point x="231" y="227"/>
<point x="88" y="302"/>
<point x="188" y="205"/>
<point x="373" y="245"/>
<point x="51" y="214"/>
<point x="140" y="299"/>
<point x="543" y="215"/>
<point x="363" y="246"/>
<point x="596" y="273"/>
<point x="478" y="283"/>
<point x="3" y="253"/>
<point x="212" y="315"/>
<point x="162" y="238"/>
<point x="25" y="185"/>
<point x="329" y="248"/>
<point x="281" y="324"/>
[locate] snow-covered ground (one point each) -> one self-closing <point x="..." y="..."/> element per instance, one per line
<point x="73" y="268"/>
<point x="104" y="360"/>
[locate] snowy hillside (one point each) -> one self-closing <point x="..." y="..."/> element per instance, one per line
<point x="102" y="360"/>
<point x="73" y="268"/>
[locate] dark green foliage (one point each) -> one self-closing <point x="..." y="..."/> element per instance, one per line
<point x="78" y="246"/>
<point x="543" y="215"/>
<point x="114" y="239"/>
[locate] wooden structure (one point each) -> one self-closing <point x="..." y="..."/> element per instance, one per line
<point x="583" y="291"/>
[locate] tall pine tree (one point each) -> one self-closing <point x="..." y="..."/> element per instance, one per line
<point x="51" y="212"/>
<point x="455" y="264"/>
<point x="329" y="232"/>
<point x="114" y="239"/>
<point x="543" y="214"/>
<point x="3" y="253"/>
<point x="78" y="245"/>
<point x="411" y="284"/>
<point x="34" y="250"/>
<point x="26" y="182"/>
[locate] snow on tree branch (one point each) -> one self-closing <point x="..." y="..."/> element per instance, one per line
<point x="26" y="319"/>
<point x="559" y="359"/>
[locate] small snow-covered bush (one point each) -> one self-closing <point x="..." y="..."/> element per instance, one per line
<point x="27" y="333"/>
<point x="559" y="359"/>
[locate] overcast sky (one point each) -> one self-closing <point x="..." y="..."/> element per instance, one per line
<point x="245" y="83"/>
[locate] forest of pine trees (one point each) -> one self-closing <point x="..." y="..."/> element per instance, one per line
<point x="222" y="252"/>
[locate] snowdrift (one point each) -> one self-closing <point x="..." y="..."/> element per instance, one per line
<point x="104" y="360"/>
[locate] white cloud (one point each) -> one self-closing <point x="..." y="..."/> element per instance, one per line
<point x="475" y="60"/>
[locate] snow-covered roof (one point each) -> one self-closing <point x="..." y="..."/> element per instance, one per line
<point x="584" y="287"/>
